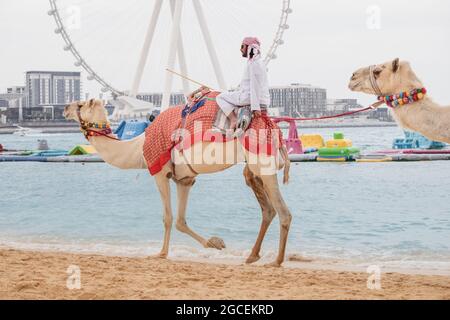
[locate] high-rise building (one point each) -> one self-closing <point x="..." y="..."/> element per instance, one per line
<point x="342" y="105"/>
<point x="13" y="97"/>
<point x="299" y="100"/>
<point x="16" y="90"/>
<point x="156" y="98"/>
<point x="52" y="88"/>
<point x="11" y="104"/>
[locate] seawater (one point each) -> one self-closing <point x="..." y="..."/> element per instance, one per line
<point x="395" y="215"/>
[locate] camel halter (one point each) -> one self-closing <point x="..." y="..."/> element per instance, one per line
<point x="395" y="100"/>
<point x="373" y="81"/>
<point x="88" y="127"/>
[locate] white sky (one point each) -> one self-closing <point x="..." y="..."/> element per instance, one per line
<point x="326" y="42"/>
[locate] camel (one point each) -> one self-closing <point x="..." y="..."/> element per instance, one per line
<point x="181" y="168"/>
<point x="395" y="77"/>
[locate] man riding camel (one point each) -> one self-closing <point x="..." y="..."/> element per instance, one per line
<point x="253" y="90"/>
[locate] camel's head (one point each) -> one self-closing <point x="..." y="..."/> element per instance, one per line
<point x="390" y="77"/>
<point x="90" y="111"/>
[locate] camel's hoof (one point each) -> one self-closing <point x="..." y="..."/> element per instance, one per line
<point x="161" y="255"/>
<point x="274" y="264"/>
<point x="252" y="259"/>
<point x="215" y="243"/>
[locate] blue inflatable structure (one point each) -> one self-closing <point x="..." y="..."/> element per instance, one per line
<point x="129" y="129"/>
<point x="414" y="140"/>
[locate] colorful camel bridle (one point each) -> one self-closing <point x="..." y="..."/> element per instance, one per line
<point x="94" y="129"/>
<point x="395" y="100"/>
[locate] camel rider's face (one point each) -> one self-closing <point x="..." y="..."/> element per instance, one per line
<point x="244" y="50"/>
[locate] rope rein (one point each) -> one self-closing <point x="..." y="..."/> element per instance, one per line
<point x="100" y="133"/>
<point x="371" y="107"/>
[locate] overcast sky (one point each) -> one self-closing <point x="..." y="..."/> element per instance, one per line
<point x="327" y="40"/>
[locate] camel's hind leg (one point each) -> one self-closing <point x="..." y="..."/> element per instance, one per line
<point x="268" y="212"/>
<point x="183" y="188"/>
<point x="162" y="181"/>
<point x="272" y="189"/>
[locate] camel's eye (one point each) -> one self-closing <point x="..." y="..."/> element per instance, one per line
<point x="377" y="72"/>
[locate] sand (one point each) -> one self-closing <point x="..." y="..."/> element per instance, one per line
<point x="43" y="275"/>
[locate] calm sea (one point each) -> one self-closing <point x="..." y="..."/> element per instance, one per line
<point x="395" y="215"/>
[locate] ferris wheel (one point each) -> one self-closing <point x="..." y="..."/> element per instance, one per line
<point x="127" y="46"/>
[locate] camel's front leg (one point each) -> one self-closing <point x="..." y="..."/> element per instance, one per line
<point x="183" y="188"/>
<point x="162" y="181"/>
<point x="271" y="186"/>
<point x="268" y="212"/>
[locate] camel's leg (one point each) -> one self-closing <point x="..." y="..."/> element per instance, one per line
<point x="272" y="189"/>
<point x="183" y="188"/>
<point x="268" y="212"/>
<point x="162" y="181"/>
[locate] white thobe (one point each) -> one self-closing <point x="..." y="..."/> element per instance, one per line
<point x="253" y="90"/>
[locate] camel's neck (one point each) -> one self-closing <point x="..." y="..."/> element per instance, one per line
<point x="127" y="154"/>
<point x="426" y="117"/>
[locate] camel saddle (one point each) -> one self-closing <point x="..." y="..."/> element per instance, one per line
<point x="191" y="124"/>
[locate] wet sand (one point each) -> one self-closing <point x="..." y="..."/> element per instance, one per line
<point x="44" y="275"/>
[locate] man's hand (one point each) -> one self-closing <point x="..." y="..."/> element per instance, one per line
<point x="203" y="90"/>
<point x="256" y="113"/>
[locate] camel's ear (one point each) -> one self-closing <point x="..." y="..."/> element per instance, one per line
<point x="395" y="65"/>
<point x="91" y="103"/>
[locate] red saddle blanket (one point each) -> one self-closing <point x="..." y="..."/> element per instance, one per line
<point x="262" y="136"/>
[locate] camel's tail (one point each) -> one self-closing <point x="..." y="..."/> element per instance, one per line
<point x="287" y="164"/>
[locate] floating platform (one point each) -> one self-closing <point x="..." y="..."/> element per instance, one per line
<point x="15" y="158"/>
<point x="308" y="157"/>
<point x="414" y="151"/>
<point x="420" y="157"/>
<point x="370" y="158"/>
<point x="73" y="159"/>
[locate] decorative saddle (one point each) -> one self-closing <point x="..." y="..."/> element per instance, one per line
<point x="196" y="120"/>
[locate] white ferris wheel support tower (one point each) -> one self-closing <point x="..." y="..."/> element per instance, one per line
<point x="176" y="48"/>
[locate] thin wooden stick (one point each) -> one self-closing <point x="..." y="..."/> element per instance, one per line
<point x="189" y="79"/>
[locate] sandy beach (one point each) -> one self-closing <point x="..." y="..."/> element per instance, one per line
<point x="44" y="275"/>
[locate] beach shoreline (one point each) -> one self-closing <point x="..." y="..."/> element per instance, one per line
<point x="235" y="256"/>
<point x="46" y="275"/>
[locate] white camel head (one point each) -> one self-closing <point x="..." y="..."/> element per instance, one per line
<point x="90" y="111"/>
<point x="391" y="77"/>
<point x="394" y="78"/>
